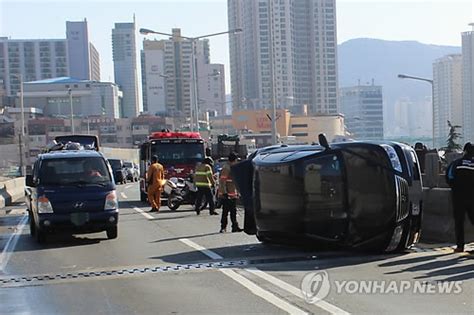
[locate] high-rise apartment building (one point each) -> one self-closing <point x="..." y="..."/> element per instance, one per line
<point x="85" y="57"/>
<point x="153" y="77"/>
<point x="125" y="67"/>
<point x="31" y="60"/>
<point x="288" y="49"/>
<point x="362" y="106"/>
<point x="167" y="77"/>
<point x="447" y="84"/>
<point x="468" y="84"/>
<point x="38" y="59"/>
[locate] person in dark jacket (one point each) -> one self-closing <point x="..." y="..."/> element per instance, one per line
<point x="460" y="177"/>
<point x="229" y="195"/>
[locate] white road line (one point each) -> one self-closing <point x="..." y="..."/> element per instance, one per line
<point x="332" y="309"/>
<point x="143" y="213"/>
<point x="264" y="294"/>
<point x="207" y="252"/>
<point x="123" y="195"/>
<point x="128" y="186"/>
<point x="11" y="243"/>
<point x="252" y="287"/>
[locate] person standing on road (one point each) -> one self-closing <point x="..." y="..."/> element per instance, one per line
<point x="460" y="177"/>
<point x="228" y="193"/>
<point x="204" y="181"/>
<point x="155" y="180"/>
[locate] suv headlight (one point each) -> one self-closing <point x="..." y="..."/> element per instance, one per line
<point x="392" y="154"/>
<point x="111" y="201"/>
<point x="44" y="206"/>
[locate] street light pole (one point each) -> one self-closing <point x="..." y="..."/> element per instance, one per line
<point x="272" y="75"/>
<point x="195" y="88"/>
<point x="430" y="81"/>
<point x="22" y="132"/>
<point x="72" y="112"/>
<point x="194" y="102"/>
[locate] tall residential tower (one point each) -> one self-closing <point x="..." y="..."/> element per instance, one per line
<point x="125" y="67"/>
<point x="468" y="84"/>
<point x="447" y="96"/>
<point x="38" y="59"/>
<point x="288" y="49"/>
<point x="167" y="76"/>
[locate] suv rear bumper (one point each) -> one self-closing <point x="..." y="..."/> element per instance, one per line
<point x="85" y="222"/>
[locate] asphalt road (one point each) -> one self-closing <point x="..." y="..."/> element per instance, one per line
<point x="177" y="262"/>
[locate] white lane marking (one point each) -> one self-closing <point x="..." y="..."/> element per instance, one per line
<point x="252" y="287"/>
<point x="11" y="243"/>
<point x="143" y="213"/>
<point x="264" y="294"/>
<point x="207" y="252"/>
<point x="332" y="309"/>
<point x="123" y="195"/>
<point x="128" y="186"/>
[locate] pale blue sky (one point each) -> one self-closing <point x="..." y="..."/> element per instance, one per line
<point x="433" y="21"/>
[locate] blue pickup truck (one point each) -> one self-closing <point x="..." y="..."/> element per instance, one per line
<point x="71" y="190"/>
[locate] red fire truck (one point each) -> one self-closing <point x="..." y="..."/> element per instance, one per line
<point x="178" y="152"/>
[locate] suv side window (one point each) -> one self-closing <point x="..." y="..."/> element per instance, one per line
<point x="36" y="169"/>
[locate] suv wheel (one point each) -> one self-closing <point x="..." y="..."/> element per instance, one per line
<point x="112" y="232"/>
<point x="32" y="225"/>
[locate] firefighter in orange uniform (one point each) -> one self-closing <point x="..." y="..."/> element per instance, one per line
<point x="156" y="181"/>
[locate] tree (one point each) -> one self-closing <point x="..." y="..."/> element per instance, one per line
<point x="453" y="136"/>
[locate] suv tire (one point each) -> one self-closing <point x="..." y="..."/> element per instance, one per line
<point x="112" y="232"/>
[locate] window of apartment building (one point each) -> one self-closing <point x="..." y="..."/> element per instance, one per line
<point x="299" y="126"/>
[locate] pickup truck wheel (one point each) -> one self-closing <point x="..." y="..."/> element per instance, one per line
<point x="112" y="232"/>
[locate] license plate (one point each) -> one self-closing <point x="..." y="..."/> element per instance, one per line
<point x="79" y="218"/>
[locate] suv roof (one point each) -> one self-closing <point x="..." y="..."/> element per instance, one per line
<point x="70" y="154"/>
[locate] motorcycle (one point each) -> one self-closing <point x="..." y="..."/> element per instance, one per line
<point x="181" y="191"/>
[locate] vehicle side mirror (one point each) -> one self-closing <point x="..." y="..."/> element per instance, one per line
<point x="29" y="181"/>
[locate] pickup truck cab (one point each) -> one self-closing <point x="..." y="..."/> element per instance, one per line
<point x="72" y="191"/>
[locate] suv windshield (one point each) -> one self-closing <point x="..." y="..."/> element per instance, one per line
<point x="127" y="164"/>
<point x="74" y="171"/>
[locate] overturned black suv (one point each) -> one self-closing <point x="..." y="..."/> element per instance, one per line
<point x="363" y="195"/>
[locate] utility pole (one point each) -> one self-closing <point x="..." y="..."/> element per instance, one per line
<point x="72" y="111"/>
<point x="272" y="74"/>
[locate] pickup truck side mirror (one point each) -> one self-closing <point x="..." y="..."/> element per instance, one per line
<point x="29" y="181"/>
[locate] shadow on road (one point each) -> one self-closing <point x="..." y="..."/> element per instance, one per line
<point x="455" y="268"/>
<point x="27" y="243"/>
<point x="178" y="238"/>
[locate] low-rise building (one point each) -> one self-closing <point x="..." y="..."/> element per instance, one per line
<point x="303" y="128"/>
<point x="88" y="98"/>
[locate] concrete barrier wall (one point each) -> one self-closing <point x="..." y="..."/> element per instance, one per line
<point x="438" y="221"/>
<point x="124" y="154"/>
<point x="11" y="191"/>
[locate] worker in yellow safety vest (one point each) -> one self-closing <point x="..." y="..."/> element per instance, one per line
<point x="204" y="181"/>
